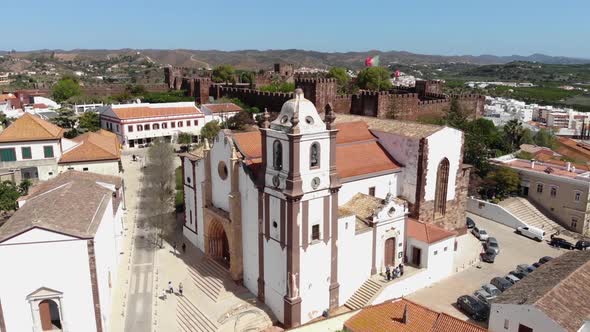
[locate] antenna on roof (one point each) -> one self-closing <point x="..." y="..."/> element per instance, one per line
<point x="405" y="316"/>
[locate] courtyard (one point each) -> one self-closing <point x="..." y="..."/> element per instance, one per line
<point x="514" y="250"/>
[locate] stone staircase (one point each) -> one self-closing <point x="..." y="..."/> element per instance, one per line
<point x="530" y="215"/>
<point x="364" y="295"/>
<point x="190" y="319"/>
<point x="208" y="276"/>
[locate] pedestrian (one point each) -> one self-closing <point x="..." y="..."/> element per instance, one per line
<point x="183" y="248"/>
<point x="134" y="158"/>
<point x="170" y="287"/>
<point x="164" y="292"/>
<point x="401" y="269"/>
<point x="388" y="273"/>
<point x="180" y="289"/>
<point x="396" y="272"/>
<point x="174" y="245"/>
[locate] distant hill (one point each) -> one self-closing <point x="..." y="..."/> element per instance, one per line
<point x="256" y="59"/>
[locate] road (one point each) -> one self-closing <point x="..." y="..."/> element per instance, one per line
<point x="514" y="250"/>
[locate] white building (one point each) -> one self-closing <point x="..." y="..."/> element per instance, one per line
<point x="219" y="112"/>
<point x="137" y="124"/>
<point x="550" y="299"/>
<point x="303" y="211"/>
<point x="59" y="255"/>
<point x="35" y="149"/>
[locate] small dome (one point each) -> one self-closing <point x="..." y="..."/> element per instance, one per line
<point x="300" y="113"/>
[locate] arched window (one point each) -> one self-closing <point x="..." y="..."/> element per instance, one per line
<point x="139" y="127"/>
<point x="314" y="155"/>
<point x="277" y="152"/>
<point x="442" y="184"/>
<point x="155" y="126"/>
<point x="164" y="125"/>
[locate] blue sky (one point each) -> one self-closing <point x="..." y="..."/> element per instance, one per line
<point x="447" y="27"/>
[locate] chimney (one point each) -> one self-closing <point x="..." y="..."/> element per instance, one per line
<point x="569" y="166"/>
<point x="532" y="163"/>
<point x="405" y="316"/>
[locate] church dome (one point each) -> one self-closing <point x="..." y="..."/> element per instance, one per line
<point x="298" y="115"/>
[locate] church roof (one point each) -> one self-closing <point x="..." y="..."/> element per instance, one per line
<point x="30" y="128"/>
<point x="73" y="204"/>
<point x="361" y="205"/>
<point x="357" y="151"/>
<point x="401" y="128"/>
<point x="426" y="232"/>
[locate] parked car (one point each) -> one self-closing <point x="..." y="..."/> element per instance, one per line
<point x="501" y="283"/>
<point x="491" y="289"/>
<point x="470" y="223"/>
<point x="483" y="295"/>
<point x="512" y="278"/>
<point x="561" y="243"/>
<point x="525" y="268"/>
<point x="583" y="244"/>
<point x="492" y="244"/>
<point x="545" y="259"/>
<point x="472" y="307"/>
<point x="531" y="232"/>
<point x="480" y="233"/>
<point x="519" y="274"/>
<point x="537" y="265"/>
<point x="489" y="256"/>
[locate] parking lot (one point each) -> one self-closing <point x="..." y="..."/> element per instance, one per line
<point x="514" y="250"/>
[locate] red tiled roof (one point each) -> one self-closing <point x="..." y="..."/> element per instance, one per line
<point x="223" y="108"/>
<point x="101" y="145"/>
<point x="146" y="112"/>
<point x="388" y="317"/>
<point x="30" y="128"/>
<point x="425" y="232"/>
<point x="357" y="154"/>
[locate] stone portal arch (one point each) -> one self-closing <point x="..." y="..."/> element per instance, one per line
<point x="223" y="241"/>
<point x="49" y="315"/>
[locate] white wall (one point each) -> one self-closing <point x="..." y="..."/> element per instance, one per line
<point x="168" y="131"/>
<point x="61" y="265"/>
<point x="197" y="211"/>
<point x="107" y="257"/>
<point x="403" y="287"/>
<point x="445" y="143"/>
<point x="381" y="184"/>
<point x="221" y="151"/>
<point x="527" y="315"/>
<point x="354" y="257"/>
<point x="493" y="212"/>
<point x="106" y="167"/>
<point x="36" y="149"/>
<point x="249" y="202"/>
<point x="275" y="277"/>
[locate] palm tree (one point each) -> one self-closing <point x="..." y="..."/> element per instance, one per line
<point x="513" y="131"/>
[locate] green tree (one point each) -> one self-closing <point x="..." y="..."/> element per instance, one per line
<point x="185" y="139"/>
<point x="278" y="87"/>
<point x="455" y="117"/>
<point x="374" y="78"/>
<point x="240" y="121"/>
<point x="501" y="182"/>
<point x="248" y="77"/>
<point x="210" y="129"/>
<point x="342" y="78"/>
<point x="23" y="187"/>
<point x="9" y="193"/>
<point x="66" y="118"/>
<point x="224" y="74"/>
<point x="546" y="138"/>
<point x="513" y="132"/>
<point x="65" y="88"/>
<point x="527" y="137"/>
<point x="90" y="121"/>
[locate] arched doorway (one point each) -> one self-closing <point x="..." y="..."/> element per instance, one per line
<point x="49" y="314"/>
<point x="218" y="244"/>
<point x="389" y="254"/>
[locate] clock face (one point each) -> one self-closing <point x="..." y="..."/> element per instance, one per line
<point x="315" y="183"/>
<point x="276" y="181"/>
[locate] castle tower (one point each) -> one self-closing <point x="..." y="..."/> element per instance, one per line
<point x="300" y="212"/>
<point x="320" y="91"/>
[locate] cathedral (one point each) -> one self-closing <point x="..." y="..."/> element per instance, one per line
<point x="305" y="210"/>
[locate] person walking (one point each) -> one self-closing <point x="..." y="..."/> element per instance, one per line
<point x="387" y="273"/>
<point x="170" y="287"/>
<point x="401" y="269"/>
<point x="183" y="247"/>
<point x="180" y="289"/>
<point x="174" y="245"/>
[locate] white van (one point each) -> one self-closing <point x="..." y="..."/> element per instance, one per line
<point x="531" y="232"/>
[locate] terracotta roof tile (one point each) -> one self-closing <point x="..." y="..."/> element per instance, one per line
<point x="361" y="205"/>
<point x="222" y="108"/>
<point x="425" y="232"/>
<point x="401" y="128"/>
<point x="151" y="111"/>
<point x="388" y="317"/>
<point x="356" y="156"/>
<point x="93" y="147"/>
<point x="30" y="128"/>
<point x="559" y="288"/>
<point x="353" y="132"/>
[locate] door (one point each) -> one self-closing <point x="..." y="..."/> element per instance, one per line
<point x="390" y="252"/>
<point x="131" y="143"/>
<point x="525" y="191"/>
<point x="524" y="328"/>
<point x="416" y="256"/>
<point x="45" y="314"/>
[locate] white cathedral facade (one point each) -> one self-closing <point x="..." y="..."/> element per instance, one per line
<point x="305" y="210"/>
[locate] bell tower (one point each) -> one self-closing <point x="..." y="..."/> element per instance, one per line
<point x="300" y="211"/>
